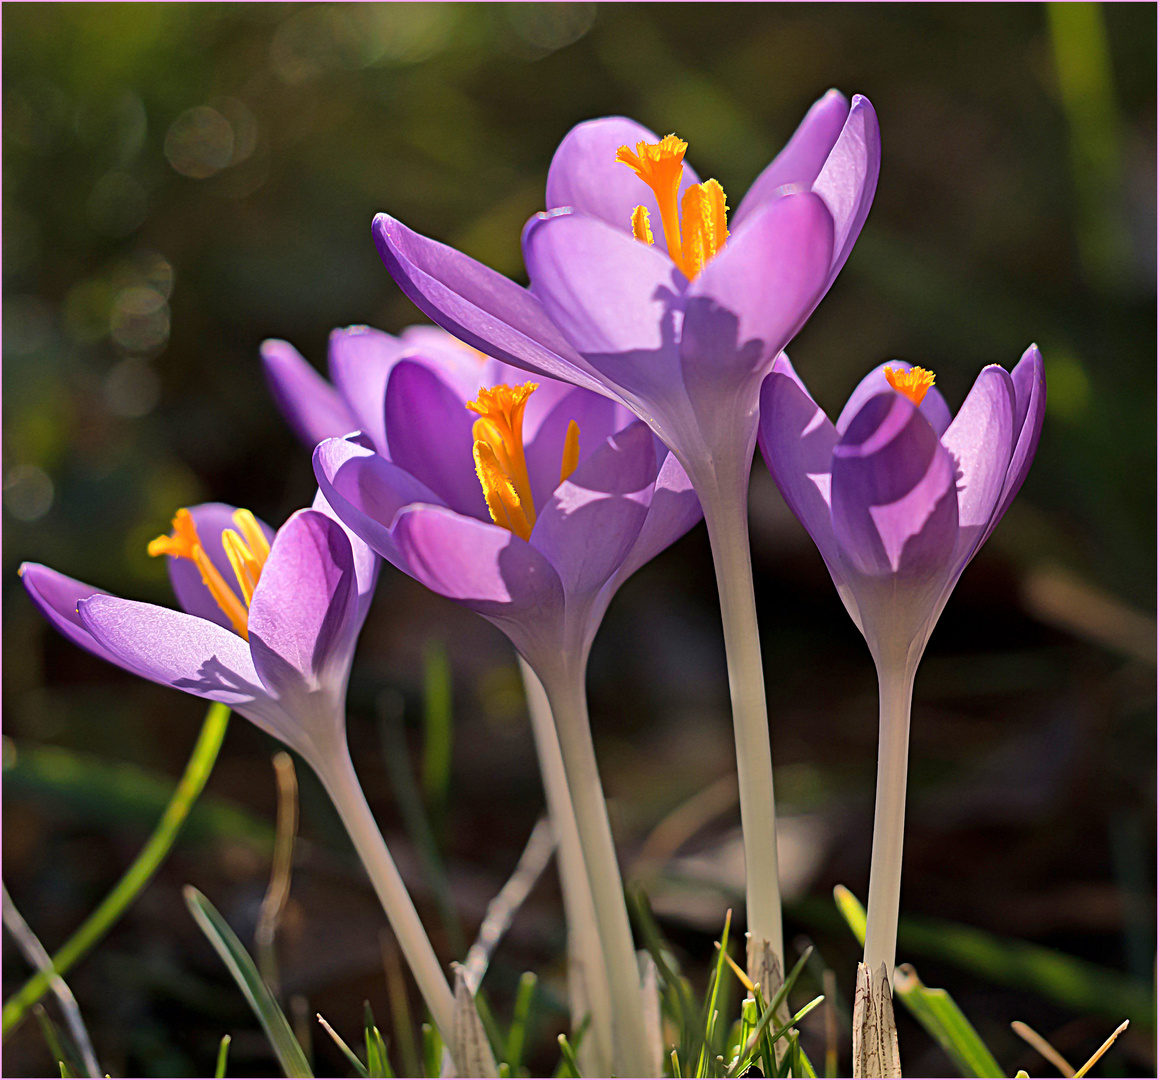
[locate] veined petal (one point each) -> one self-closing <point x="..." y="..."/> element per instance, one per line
<point x="311" y="406"/>
<point x="428" y="428"/>
<point x="1029" y="380"/>
<point x="366" y="561"/>
<point x="360" y="360"/>
<point x="893" y="501"/>
<point x="57" y="597"/>
<point x="585" y="176"/>
<point x="303" y="612"/>
<point x="366" y="492"/>
<point x="933" y="406"/>
<point x="211" y="520"/>
<point x="477" y="305"/>
<point x="803" y="157"/>
<point x="595" y="516"/>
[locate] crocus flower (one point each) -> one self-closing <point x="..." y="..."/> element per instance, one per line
<point x="530" y="504"/>
<point x="898" y="497"/>
<point x="268" y="627"/>
<point x="640" y="291"/>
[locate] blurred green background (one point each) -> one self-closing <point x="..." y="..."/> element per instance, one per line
<point x="183" y="181"/>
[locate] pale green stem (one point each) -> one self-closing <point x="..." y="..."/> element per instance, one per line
<point x="726" y="516"/>
<point x="578" y="905"/>
<point x="895" y="691"/>
<point x="568" y="700"/>
<point x="341" y="783"/>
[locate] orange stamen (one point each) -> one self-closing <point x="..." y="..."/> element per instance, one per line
<point x="913" y="383"/>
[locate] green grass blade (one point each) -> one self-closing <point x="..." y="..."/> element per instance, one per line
<point x="569" y="1065"/>
<point x="351" y="1056"/>
<point x="851" y="910"/>
<point x="134" y="880"/>
<point x="222" y="1057"/>
<point x="437" y="729"/>
<point x="245" y="973"/>
<point x="54" y="1038"/>
<point x="517" y="1035"/>
<point x="377" y="1062"/>
<point x="432" y="1050"/>
<point x="939" y="1014"/>
<point x="710" y="1010"/>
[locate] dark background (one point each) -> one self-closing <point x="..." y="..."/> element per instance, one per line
<point x="182" y="181"/>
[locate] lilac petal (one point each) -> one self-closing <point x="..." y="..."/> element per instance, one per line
<point x="597" y="418"/>
<point x="57" y="597"/>
<point x="796" y="440"/>
<point x="366" y="562"/>
<point x="211" y="520"/>
<point x="477" y="305"/>
<point x="302" y="615"/>
<point x="933" y="406"/>
<point x="174" y="649"/>
<point x="848" y="181"/>
<point x="615" y="299"/>
<point x="309" y="403"/>
<point x="489" y="569"/>
<point x="894" y="505"/>
<point x="366" y="492"/>
<point x="429" y="431"/>
<point x="595" y="516"/>
<point x="585" y="175"/>
<point x="981" y="440"/>
<point x="803" y="157"/>
<point x="1029" y="380"/>
<point x="360" y="361"/>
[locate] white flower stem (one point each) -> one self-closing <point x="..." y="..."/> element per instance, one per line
<point x="895" y="690"/>
<point x="568" y="699"/>
<point x="726" y="516"/>
<point x="341" y="783"/>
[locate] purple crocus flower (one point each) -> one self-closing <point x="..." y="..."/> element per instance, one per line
<point x="898" y="497"/>
<point x="639" y="291"/>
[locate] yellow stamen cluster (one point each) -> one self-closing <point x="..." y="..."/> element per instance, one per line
<point x="246" y="548"/>
<point x="499" y="460"/>
<point x="913" y="383"/>
<point x="696" y="227"/>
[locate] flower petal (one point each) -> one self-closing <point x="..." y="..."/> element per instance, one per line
<point x="595" y="516"/>
<point x="311" y="406"/>
<point x="585" y="175"/>
<point x="366" y="492"/>
<point x="894" y="505"/>
<point x="616" y="300"/>
<point x="302" y="615"/>
<point x="933" y="406"/>
<point x="428" y="428"/>
<point x="211" y="519"/>
<point x="1029" y="380"/>
<point x="803" y="157"/>
<point x="366" y="561"/>
<point x="477" y="305"/>
<point x="848" y="180"/>
<point x="489" y="569"/>
<point x="360" y="360"/>
<point x="57" y="597"/>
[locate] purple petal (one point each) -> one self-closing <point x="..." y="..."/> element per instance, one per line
<point x="486" y="568"/>
<point x="174" y="649"/>
<point x="366" y="492"/>
<point x="585" y="175"/>
<point x="211" y="519"/>
<point x="848" y="180"/>
<point x="803" y="157"/>
<point x="1029" y="380"/>
<point x="360" y="361"/>
<point x="796" y="440"/>
<point x="302" y="621"/>
<point x="595" y="516"/>
<point x="933" y="406"/>
<point x="981" y="440"/>
<point x="477" y="305"/>
<point x="428" y="429"/>
<point x="894" y="506"/>
<point x="366" y="562"/>
<point x="311" y="406"/>
<point x="615" y="299"/>
<point x="57" y="597"/>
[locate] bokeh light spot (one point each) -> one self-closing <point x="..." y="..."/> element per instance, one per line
<point x="199" y="142"/>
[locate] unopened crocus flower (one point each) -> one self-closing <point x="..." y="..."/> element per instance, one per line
<point x="268" y="626"/>
<point x="898" y="496"/>
<point x="529" y="503"/>
<point x="644" y="289"/>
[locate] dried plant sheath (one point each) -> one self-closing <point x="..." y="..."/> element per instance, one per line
<point x="874" y="1030"/>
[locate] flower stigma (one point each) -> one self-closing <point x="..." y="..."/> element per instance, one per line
<point x="499" y="460"/>
<point x="913" y="383"/>
<point x="246" y="548"/>
<point x="695" y="228"/>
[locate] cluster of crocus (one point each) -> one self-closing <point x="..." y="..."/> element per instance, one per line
<point x="653" y="329"/>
